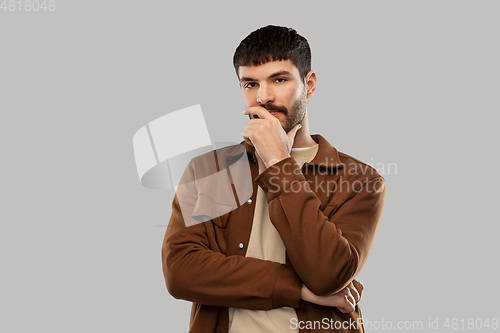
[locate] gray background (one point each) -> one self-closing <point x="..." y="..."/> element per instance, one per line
<point x="408" y="82"/>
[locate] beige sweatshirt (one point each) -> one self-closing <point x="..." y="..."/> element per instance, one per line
<point x="265" y="243"/>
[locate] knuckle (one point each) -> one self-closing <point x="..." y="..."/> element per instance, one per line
<point x="361" y="285"/>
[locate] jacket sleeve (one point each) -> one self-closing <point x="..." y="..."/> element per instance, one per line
<point x="195" y="270"/>
<point x="326" y="251"/>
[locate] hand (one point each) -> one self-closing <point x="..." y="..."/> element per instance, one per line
<point x="345" y="300"/>
<point x="267" y="136"/>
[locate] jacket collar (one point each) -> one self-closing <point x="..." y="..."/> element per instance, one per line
<point x="327" y="156"/>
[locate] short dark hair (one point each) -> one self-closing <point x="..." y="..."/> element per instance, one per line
<point x="273" y="43"/>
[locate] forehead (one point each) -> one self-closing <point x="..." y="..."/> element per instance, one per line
<point x="269" y="68"/>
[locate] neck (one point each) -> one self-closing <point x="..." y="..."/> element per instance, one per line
<point x="303" y="138"/>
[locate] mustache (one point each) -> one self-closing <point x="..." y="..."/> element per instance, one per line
<point x="273" y="107"/>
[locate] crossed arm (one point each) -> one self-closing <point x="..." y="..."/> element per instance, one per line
<point x="345" y="300"/>
<point x="196" y="273"/>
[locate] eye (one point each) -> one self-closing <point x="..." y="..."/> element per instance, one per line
<point x="249" y="85"/>
<point x="280" y="80"/>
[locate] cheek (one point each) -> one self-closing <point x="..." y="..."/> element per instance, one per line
<point x="292" y="91"/>
<point x="299" y="92"/>
<point x="293" y="95"/>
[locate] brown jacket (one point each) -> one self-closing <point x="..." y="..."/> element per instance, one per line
<point x="327" y="214"/>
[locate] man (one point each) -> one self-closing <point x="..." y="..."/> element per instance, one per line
<point x="286" y="260"/>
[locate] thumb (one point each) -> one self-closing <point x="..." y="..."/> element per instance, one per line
<point x="293" y="132"/>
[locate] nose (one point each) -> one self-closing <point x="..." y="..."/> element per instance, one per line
<point x="265" y="94"/>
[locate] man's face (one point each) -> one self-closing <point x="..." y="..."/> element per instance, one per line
<point x="276" y="86"/>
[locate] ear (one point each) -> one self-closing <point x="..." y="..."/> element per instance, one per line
<point x="310" y="82"/>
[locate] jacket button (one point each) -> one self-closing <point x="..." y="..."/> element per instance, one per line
<point x="241" y="245"/>
<point x="249" y="201"/>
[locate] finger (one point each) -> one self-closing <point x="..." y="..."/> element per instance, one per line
<point x="251" y="128"/>
<point x="291" y="134"/>
<point x="359" y="287"/>
<point x="348" y="308"/>
<point x="350" y="297"/>
<point x="354" y="292"/>
<point x="253" y="124"/>
<point x="259" y="111"/>
<point x="246" y="137"/>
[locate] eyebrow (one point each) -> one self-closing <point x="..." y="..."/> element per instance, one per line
<point x="243" y="79"/>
